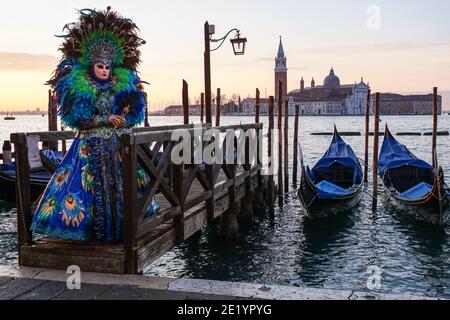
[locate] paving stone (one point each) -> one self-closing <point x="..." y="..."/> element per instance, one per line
<point x="47" y="291"/>
<point x="255" y="291"/>
<point x="4" y="280"/>
<point x="135" y="293"/>
<point x="87" y="292"/>
<point x="12" y="289"/>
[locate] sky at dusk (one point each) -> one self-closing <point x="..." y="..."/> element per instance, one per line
<point x="406" y="50"/>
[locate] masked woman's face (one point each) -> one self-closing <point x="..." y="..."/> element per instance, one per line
<point x="102" y="71"/>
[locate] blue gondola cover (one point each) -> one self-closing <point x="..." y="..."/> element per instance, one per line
<point x="340" y="152"/>
<point x="395" y="155"/>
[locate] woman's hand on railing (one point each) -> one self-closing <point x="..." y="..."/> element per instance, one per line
<point x="116" y="121"/>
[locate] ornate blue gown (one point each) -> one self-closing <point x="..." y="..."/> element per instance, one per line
<point x="84" y="199"/>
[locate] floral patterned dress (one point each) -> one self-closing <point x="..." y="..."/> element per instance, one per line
<point x="84" y="199"/>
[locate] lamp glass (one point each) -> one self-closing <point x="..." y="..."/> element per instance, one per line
<point x="239" y="45"/>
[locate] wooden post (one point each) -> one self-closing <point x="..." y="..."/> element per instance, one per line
<point x="366" y="153"/>
<point x="23" y="197"/>
<point x="209" y="173"/>
<point x="207" y="61"/>
<point x="52" y="121"/>
<point x="295" y="164"/>
<point x="130" y="198"/>
<point x="202" y="107"/>
<point x="270" y="153"/>
<point x="375" y="150"/>
<point x="146" y="123"/>
<point x="247" y="212"/>
<point x="286" y="146"/>
<point x="185" y="102"/>
<point x="7" y="152"/>
<point x="435" y="126"/>
<point x="257" y="106"/>
<point x="64" y="143"/>
<point x="280" y="143"/>
<point x="258" y="133"/>
<point x="177" y="173"/>
<point x="218" y="98"/>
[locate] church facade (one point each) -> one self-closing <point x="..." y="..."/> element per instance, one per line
<point x="331" y="98"/>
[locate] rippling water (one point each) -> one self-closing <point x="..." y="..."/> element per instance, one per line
<point x="294" y="250"/>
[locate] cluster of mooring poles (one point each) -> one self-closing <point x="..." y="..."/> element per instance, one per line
<point x="255" y="199"/>
<point x="275" y="189"/>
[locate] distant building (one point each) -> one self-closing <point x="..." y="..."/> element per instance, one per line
<point x="331" y="98"/>
<point x="396" y="104"/>
<point x="281" y="71"/>
<point x="177" y="110"/>
<point x="249" y="106"/>
<point x="227" y="108"/>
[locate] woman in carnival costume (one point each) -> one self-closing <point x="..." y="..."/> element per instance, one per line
<point x="100" y="95"/>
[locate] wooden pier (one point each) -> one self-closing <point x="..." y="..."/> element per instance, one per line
<point x="190" y="196"/>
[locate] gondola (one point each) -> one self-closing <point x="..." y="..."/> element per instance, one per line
<point x="335" y="184"/>
<point x="39" y="178"/>
<point x="412" y="186"/>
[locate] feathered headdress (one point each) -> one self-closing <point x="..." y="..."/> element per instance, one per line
<point x="99" y="36"/>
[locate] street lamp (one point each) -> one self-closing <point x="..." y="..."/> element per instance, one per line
<point x="238" y="45"/>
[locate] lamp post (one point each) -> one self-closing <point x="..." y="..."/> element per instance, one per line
<point x="238" y="44"/>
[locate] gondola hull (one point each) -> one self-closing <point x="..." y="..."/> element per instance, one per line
<point x="38" y="183"/>
<point x="432" y="209"/>
<point x="412" y="187"/>
<point x="321" y="208"/>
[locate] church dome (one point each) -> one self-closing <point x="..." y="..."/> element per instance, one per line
<point x="332" y="81"/>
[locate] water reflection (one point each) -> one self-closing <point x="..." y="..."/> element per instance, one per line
<point x="317" y="249"/>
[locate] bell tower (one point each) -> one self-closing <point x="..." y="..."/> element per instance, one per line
<point x="281" y="71"/>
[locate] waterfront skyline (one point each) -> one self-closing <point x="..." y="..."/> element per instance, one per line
<point x="408" y="53"/>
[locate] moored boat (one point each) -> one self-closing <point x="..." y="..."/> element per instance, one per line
<point x="39" y="178"/>
<point x="413" y="186"/>
<point x="335" y="184"/>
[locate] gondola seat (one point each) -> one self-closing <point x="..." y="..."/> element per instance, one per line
<point x="417" y="192"/>
<point x="326" y="190"/>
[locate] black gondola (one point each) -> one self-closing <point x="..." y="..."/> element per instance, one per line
<point x="413" y="186"/>
<point x="335" y="184"/>
<point x="38" y="182"/>
<point x="39" y="178"/>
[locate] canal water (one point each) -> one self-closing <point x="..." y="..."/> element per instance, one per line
<point x="385" y="250"/>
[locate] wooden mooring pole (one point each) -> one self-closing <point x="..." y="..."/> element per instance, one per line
<point x="366" y="151"/>
<point x="218" y="108"/>
<point x="52" y="121"/>
<point x="185" y="102"/>
<point x="257" y="106"/>
<point x="286" y="147"/>
<point x="64" y="142"/>
<point x="270" y="154"/>
<point x="295" y="164"/>
<point x="280" y="144"/>
<point x="435" y="126"/>
<point x="146" y="123"/>
<point x="202" y="107"/>
<point x="259" y="134"/>
<point x="376" y="143"/>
